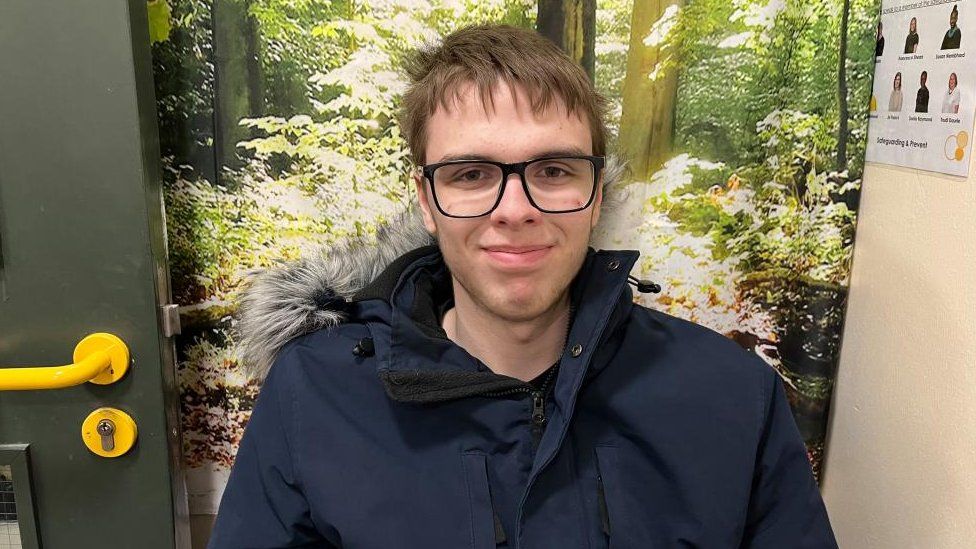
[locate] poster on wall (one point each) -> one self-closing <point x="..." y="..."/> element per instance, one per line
<point x="742" y="123"/>
<point x="922" y="104"/>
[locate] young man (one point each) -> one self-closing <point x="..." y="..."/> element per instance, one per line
<point x="499" y="388"/>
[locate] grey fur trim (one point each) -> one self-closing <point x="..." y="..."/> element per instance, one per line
<point x="613" y="193"/>
<point x="284" y="302"/>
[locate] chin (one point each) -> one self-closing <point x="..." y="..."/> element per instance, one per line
<point x="513" y="312"/>
<point x="522" y="303"/>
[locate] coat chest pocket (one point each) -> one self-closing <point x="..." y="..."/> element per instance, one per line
<point x="639" y="508"/>
<point x="486" y="527"/>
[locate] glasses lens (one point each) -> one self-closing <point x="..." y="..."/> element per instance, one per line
<point x="560" y="184"/>
<point x="467" y="188"/>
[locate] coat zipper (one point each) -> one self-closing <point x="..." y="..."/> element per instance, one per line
<point x="538" y="418"/>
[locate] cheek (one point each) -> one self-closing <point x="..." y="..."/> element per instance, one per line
<point x="457" y="237"/>
<point x="577" y="229"/>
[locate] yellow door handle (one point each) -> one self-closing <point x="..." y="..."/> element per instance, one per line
<point x="100" y="358"/>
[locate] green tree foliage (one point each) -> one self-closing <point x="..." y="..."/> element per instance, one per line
<point x="160" y="20"/>
<point x="749" y="225"/>
<point x="612" y="37"/>
<point x="183" y="72"/>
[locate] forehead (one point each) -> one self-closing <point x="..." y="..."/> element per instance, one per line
<point x="502" y="126"/>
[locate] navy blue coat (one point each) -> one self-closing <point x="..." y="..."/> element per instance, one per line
<point x="382" y="433"/>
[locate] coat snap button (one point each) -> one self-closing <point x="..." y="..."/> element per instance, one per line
<point x="613" y="265"/>
<point x="577" y="350"/>
<point x="364" y="348"/>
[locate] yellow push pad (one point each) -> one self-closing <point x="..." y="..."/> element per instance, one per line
<point x="109" y="432"/>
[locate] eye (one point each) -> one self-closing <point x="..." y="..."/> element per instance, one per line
<point x="468" y="175"/>
<point x="473" y="174"/>
<point x="553" y="170"/>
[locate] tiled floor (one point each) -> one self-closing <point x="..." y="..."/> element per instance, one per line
<point x="9" y="529"/>
<point x="9" y="535"/>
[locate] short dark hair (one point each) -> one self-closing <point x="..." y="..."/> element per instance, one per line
<point x="484" y="54"/>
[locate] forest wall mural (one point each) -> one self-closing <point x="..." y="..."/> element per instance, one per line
<point x="743" y="123"/>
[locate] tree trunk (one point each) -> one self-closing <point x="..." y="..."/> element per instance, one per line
<point x="571" y="24"/>
<point x="255" y="76"/>
<point x="647" y="117"/>
<point x="842" y="111"/>
<point x="237" y="80"/>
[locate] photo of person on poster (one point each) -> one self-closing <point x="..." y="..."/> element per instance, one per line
<point x="922" y="97"/>
<point x="895" y="100"/>
<point x="950" y="103"/>
<point x="911" y="42"/>
<point x="879" y="45"/>
<point x="952" y="36"/>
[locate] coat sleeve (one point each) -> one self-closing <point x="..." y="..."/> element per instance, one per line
<point x="785" y="508"/>
<point x="263" y="505"/>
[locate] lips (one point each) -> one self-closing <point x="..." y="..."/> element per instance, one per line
<point x="516" y="249"/>
<point x="517" y="257"/>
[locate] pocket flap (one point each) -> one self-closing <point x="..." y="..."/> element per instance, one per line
<point x="486" y="526"/>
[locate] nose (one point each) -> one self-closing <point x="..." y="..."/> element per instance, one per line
<point x="514" y="207"/>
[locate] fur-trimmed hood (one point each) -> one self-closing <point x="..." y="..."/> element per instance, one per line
<point x="284" y="302"/>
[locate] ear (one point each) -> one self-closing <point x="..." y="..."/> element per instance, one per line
<point x="424" y="200"/>
<point x="597" y="202"/>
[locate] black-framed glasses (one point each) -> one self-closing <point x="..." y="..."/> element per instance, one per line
<point x="473" y="188"/>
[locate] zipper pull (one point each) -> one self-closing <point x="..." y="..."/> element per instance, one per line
<point x="538" y="417"/>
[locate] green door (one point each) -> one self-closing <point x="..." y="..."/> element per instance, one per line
<point x="82" y="250"/>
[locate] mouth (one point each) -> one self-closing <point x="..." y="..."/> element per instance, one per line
<point x="517" y="257"/>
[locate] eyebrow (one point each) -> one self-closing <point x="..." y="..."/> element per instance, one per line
<point x="569" y="151"/>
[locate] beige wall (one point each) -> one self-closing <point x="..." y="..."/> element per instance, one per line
<point x="901" y="455"/>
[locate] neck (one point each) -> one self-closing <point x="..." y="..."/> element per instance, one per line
<point x="521" y="349"/>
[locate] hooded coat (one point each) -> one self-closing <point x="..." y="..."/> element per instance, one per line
<point x="374" y="430"/>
